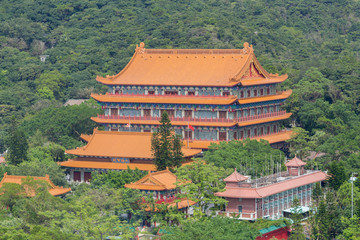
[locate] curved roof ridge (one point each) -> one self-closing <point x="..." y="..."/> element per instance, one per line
<point x="235" y="177"/>
<point x="295" y="162"/>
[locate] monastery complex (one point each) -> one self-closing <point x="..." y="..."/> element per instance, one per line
<point x="210" y="95"/>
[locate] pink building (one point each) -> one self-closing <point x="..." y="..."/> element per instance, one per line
<point x="268" y="196"/>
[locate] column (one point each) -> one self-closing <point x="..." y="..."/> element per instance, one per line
<point x="82" y="175"/>
<point x="71" y="175"/>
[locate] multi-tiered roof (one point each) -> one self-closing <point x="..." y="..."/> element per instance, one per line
<point x="184" y="81"/>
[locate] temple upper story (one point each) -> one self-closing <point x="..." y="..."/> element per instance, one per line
<point x="192" y="68"/>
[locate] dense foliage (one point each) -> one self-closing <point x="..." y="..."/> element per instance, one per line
<point x="317" y="43"/>
<point x="213" y="228"/>
<point x="250" y="157"/>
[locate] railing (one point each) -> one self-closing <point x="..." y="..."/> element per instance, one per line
<point x="189" y="119"/>
<point x="165" y="95"/>
<point x="237" y="215"/>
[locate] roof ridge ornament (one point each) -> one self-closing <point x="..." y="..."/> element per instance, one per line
<point x="141" y="48"/>
<point x="247" y="48"/>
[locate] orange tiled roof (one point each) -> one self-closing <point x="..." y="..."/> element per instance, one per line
<point x="53" y="190"/>
<point x="156" y="122"/>
<point x="157" y="181"/>
<point x="190" y="67"/>
<point x="273" y="138"/>
<point x="192" y="123"/>
<point x="85" y="137"/>
<point x="186" y="100"/>
<point x="164" y="99"/>
<point x="261" y="192"/>
<point x="262" y="81"/>
<point x="121" y="144"/>
<point x="74" y="163"/>
<point x="295" y="162"/>
<point x="264" y="120"/>
<point x="108" y="165"/>
<point x="282" y="95"/>
<point x="235" y="177"/>
<point x="182" y="204"/>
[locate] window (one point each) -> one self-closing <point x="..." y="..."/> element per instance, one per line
<point x="226" y="93"/>
<point x="268" y="91"/>
<point x="222" y="114"/>
<point x="188" y="113"/>
<point x="240" y="199"/>
<point x="77" y="176"/>
<point x="147" y="112"/>
<point x="171" y="92"/>
<point x="151" y="92"/>
<point x="242" y="94"/>
<point x="255" y="92"/>
<point x="248" y="93"/>
<point x="114" y="111"/>
<point x="240" y="209"/>
<point x="191" y="93"/>
<point x="222" y="136"/>
<point x="261" y="92"/>
<point x="171" y="113"/>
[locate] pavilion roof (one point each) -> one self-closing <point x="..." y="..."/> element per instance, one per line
<point x="157" y="181"/>
<point x="295" y="162"/>
<point x="121" y="144"/>
<point x="261" y="192"/>
<point x="53" y="190"/>
<point x="235" y="177"/>
<point x="192" y="67"/>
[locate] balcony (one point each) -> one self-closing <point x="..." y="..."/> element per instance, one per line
<point x="237" y="215"/>
<point x="189" y="119"/>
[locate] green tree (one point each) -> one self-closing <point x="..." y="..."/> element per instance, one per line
<point x="301" y="143"/>
<point x="212" y="228"/>
<point x="166" y="145"/>
<point x="202" y="181"/>
<point x="297" y="229"/>
<point x="10" y="194"/>
<point x="17" y="145"/>
<point x="249" y="156"/>
<point x="115" y="179"/>
<point x="337" y="173"/>
<point x="317" y="194"/>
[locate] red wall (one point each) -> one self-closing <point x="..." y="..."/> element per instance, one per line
<point x="281" y="233"/>
<point x="248" y="205"/>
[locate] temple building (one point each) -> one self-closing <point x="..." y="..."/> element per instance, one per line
<point x="269" y="196"/>
<point x="114" y="151"/>
<point x="210" y="95"/>
<point x="53" y="190"/>
<point x="162" y="185"/>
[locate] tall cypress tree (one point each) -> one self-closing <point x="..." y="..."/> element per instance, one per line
<point x="166" y="145"/>
<point x="17" y="145"/>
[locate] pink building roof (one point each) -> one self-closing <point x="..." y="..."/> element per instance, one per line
<point x="235" y="177"/>
<point x="261" y="192"/>
<point x="295" y="162"/>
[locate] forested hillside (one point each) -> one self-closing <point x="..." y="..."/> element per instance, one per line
<point x="317" y="43"/>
